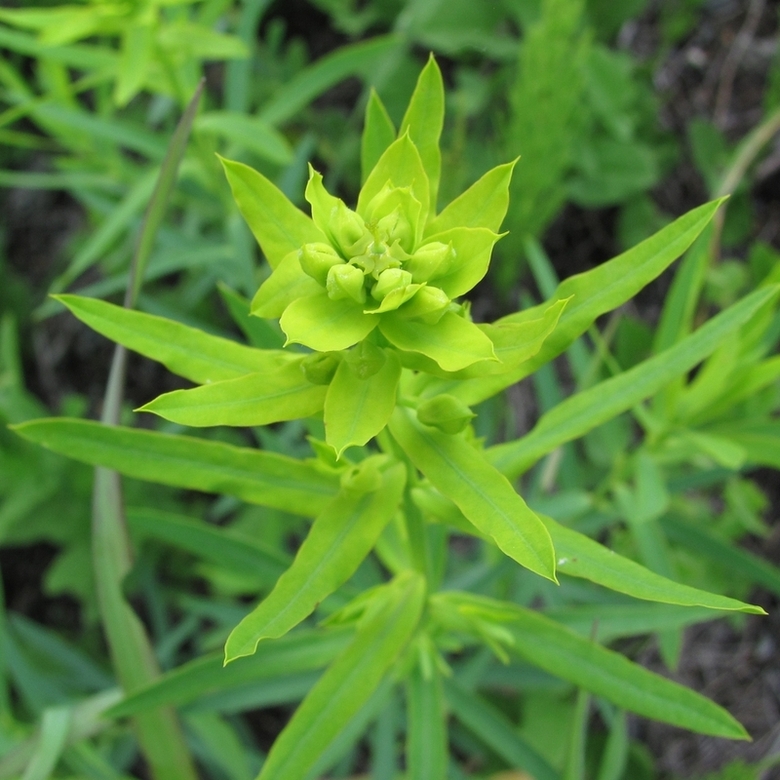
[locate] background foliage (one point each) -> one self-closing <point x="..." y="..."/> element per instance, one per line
<point x="638" y="112"/>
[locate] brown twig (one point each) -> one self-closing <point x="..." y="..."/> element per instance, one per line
<point x="733" y="60"/>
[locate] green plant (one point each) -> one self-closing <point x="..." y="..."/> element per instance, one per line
<point x="393" y="366"/>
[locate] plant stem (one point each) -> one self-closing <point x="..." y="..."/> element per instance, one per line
<point x="159" y="733"/>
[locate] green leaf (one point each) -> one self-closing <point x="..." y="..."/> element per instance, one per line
<point x="473" y="247"/>
<point x="736" y="561"/>
<point x="136" y="57"/>
<point x="336" y="545"/>
<point x="482" y="205"/>
<point x="426" y="731"/>
<point x="255" y="399"/>
<point x="350" y="680"/>
<point x="601" y="290"/>
<point x="182" y="461"/>
<point x="579" y="556"/>
<point x="247" y="132"/>
<point x="357" y="409"/>
<point x="220" y="546"/>
<point x="287" y="283"/>
<point x="485" y="497"/>
<point x="324" y="325"/>
<point x="188" y="352"/>
<point x="378" y="134"/>
<point x="301" y="651"/>
<point x="492" y="727"/>
<point x="453" y="342"/>
<point x="423" y="120"/>
<point x="563" y="653"/>
<point x="277" y="224"/>
<point x="588" y="409"/>
<point x="259" y="333"/>
<point x="760" y="439"/>
<point x="55" y="725"/>
<point x="353" y="59"/>
<point x="400" y="164"/>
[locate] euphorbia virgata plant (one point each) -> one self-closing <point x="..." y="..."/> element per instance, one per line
<point x="381" y="345"/>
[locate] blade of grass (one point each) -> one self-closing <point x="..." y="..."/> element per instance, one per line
<point x="159" y="733"/>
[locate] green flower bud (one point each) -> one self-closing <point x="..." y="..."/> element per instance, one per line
<point x="317" y="259"/>
<point x="445" y="412"/>
<point x="396" y="227"/>
<point x="345" y="281"/>
<point x="320" y="367"/>
<point x="428" y="305"/>
<point x="389" y="280"/>
<point x="348" y="230"/>
<point x="430" y="260"/>
<point x="365" y="477"/>
<point x="366" y="359"/>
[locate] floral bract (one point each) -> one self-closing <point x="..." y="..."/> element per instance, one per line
<point x="385" y="266"/>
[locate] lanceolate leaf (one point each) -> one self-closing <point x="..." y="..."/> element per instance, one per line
<point x="350" y="680"/>
<point x="587" y="410"/>
<point x="188" y="352"/>
<point x="424" y="120"/>
<point x="601" y="290"/>
<point x="378" y="134"/>
<point x="182" y="461"/>
<point x="254" y="399"/>
<point x="338" y="541"/>
<point x="208" y="542"/>
<point x="276" y="223"/>
<point x="357" y="409"/>
<point x="483" y="204"/>
<point x="579" y="556"/>
<point x="562" y="652"/>
<point x="484" y="496"/>
<point x="301" y="651"/>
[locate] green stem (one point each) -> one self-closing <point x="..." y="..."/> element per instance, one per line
<point x="159" y="733"/>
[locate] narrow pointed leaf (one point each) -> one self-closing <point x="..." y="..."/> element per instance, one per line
<point x="182" y="461"/>
<point x="349" y="682"/>
<point x="188" y="352"/>
<point x="563" y="653"/>
<point x="485" y="497"/>
<point x="588" y="409"/>
<point x="602" y="290"/>
<point x="453" y="342"/>
<point x="324" y="325"/>
<point x="424" y="120"/>
<point x="278" y="225"/>
<point x="255" y="399"/>
<point x="336" y="545"/>
<point x="482" y="205"/>
<point x="378" y="134"/>
<point x="207" y="542"/>
<point x="579" y="556"/>
<point x="302" y="651"/>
